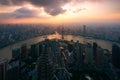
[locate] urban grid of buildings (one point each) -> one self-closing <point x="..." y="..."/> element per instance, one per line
<point x="59" y="59"/>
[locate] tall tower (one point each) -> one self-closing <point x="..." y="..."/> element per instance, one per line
<point x="62" y="33"/>
<point x="84" y="30"/>
<point x="84" y="34"/>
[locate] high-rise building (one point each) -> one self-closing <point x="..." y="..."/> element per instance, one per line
<point x="84" y="52"/>
<point x="84" y="34"/>
<point x="24" y="54"/>
<point x="13" y="66"/>
<point x="3" y="69"/>
<point x="99" y="57"/>
<point x="84" y="30"/>
<point x="106" y="58"/>
<point x="40" y="48"/>
<point x="16" y="53"/>
<point x="94" y="50"/>
<point x="44" y="66"/>
<point x="54" y="50"/>
<point x="79" y="54"/>
<point x="62" y="33"/>
<point x="88" y="54"/>
<point x="116" y="55"/>
<point x="34" y="53"/>
<point x="102" y="58"/>
<point x="13" y="70"/>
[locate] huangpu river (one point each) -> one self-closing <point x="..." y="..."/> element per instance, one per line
<point x="6" y="52"/>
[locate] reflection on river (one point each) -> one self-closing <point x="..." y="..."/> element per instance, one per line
<point x="7" y="51"/>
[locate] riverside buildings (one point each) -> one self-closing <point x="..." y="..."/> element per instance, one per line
<point x="56" y="59"/>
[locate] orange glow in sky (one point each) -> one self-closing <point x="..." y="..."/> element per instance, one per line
<point x="55" y="11"/>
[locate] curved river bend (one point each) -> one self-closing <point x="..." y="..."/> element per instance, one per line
<point x="6" y="52"/>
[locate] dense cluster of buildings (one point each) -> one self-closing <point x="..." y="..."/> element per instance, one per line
<point x="55" y="59"/>
<point x="10" y="33"/>
<point x="59" y="59"/>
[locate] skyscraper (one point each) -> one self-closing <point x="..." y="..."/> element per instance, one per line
<point x="62" y="32"/>
<point x="3" y="68"/>
<point x="94" y="50"/>
<point x="84" y="30"/>
<point x="84" y="34"/>
<point x="34" y="51"/>
<point x="99" y="58"/>
<point x="89" y="54"/>
<point x="79" y="54"/>
<point x="44" y="66"/>
<point x="116" y="55"/>
<point x="54" y="49"/>
<point x="24" y="53"/>
<point x="40" y="48"/>
<point x="16" y="53"/>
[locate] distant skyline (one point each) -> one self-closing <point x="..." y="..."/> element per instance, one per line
<point x="59" y="11"/>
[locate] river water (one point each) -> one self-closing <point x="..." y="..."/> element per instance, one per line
<point x="6" y="52"/>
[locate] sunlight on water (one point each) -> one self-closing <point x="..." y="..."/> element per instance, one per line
<point x="54" y="36"/>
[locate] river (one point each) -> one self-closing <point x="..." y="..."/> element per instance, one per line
<point x="6" y="52"/>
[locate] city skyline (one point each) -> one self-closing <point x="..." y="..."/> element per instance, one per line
<point x="59" y="11"/>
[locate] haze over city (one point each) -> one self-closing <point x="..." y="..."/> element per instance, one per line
<point x="59" y="11"/>
<point x="59" y="39"/>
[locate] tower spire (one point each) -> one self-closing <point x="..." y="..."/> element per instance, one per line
<point x="84" y="33"/>
<point x="62" y="32"/>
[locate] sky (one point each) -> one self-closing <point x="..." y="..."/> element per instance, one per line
<point x="59" y="11"/>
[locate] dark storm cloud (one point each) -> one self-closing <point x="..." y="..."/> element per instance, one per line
<point x="52" y="7"/>
<point x="49" y="2"/>
<point x="24" y="12"/>
<point x="4" y="2"/>
<point x="20" y="13"/>
<point x="12" y="2"/>
<point x="54" y="11"/>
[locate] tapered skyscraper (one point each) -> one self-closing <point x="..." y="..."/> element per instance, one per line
<point x="62" y="32"/>
<point x="84" y="30"/>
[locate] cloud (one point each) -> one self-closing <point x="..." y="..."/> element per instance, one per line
<point x="12" y="2"/>
<point x="79" y="10"/>
<point x="4" y="2"/>
<point x="20" y="13"/>
<point x="54" y="11"/>
<point x="52" y="7"/>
